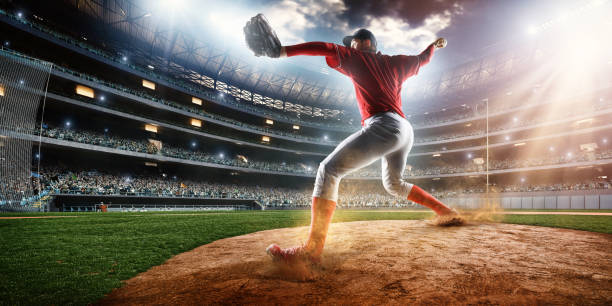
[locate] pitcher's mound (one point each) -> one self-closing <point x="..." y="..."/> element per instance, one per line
<point x="390" y="262"/>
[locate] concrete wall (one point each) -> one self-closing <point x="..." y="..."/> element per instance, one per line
<point x="65" y="202"/>
<point x="605" y="201"/>
<point x="542" y="201"/>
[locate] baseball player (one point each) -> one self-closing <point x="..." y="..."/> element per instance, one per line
<point x="385" y="132"/>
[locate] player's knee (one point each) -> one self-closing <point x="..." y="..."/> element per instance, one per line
<point x="326" y="169"/>
<point x="393" y="187"/>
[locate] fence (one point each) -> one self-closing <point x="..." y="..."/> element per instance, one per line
<point x="563" y="200"/>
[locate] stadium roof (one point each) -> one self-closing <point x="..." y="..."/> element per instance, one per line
<point x="183" y="48"/>
<point x="149" y="40"/>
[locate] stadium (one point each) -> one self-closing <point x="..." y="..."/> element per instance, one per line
<point x="149" y="157"/>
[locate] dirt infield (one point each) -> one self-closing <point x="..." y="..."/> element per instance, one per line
<point x="390" y="262"/>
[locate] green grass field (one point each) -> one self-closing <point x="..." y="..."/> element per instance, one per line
<point x="78" y="260"/>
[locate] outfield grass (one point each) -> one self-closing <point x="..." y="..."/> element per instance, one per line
<point x="78" y="260"/>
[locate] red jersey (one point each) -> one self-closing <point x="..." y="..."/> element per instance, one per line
<point x="377" y="77"/>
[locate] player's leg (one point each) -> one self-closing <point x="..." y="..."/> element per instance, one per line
<point x="362" y="148"/>
<point x="393" y="165"/>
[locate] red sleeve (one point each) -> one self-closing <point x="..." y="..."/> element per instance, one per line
<point x="312" y="48"/>
<point x="426" y="55"/>
<point x="410" y="64"/>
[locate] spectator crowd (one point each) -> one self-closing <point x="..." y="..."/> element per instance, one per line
<point x="352" y="193"/>
<point x="144" y="146"/>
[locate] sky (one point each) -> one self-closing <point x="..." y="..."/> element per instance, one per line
<point x="473" y="28"/>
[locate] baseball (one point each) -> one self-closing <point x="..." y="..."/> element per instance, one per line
<point x="440" y="43"/>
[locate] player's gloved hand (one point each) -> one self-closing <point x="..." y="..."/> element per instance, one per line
<point x="440" y="43"/>
<point x="261" y="38"/>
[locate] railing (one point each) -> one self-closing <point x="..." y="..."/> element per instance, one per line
<point x="37" y="202"/>
<point x="153" y="207"/>
<point x="150" y="194"/>
<point x="175" y="126"/>
<point x="202" y="114"/>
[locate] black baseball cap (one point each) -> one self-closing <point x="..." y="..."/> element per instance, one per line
<point x="360" y="34"/>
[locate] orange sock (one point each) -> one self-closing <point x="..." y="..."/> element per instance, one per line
<point x="321" y="215"/>
<point x="421" y="196"/>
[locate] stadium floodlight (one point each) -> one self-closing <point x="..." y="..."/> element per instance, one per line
<point x="563" y="17"/>
<point x="532" y="30"/>
<point x="170" y="5"/>
<point x="227" y="22"/>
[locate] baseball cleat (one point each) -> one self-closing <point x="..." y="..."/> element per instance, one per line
<point x="451" y="219"/>
<point x="291" y="255"/>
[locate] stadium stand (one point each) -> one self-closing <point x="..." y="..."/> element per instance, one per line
<point x="353" y="194"/>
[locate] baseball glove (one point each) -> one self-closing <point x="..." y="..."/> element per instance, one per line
<point x="261" y="38"/>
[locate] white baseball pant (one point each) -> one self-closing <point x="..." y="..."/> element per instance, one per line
<point x="385" y="135"/>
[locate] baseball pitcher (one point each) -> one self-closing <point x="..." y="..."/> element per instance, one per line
<point x="385" y="132"/>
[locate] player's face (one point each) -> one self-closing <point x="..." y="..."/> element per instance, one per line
<point x="361" y="45"/>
